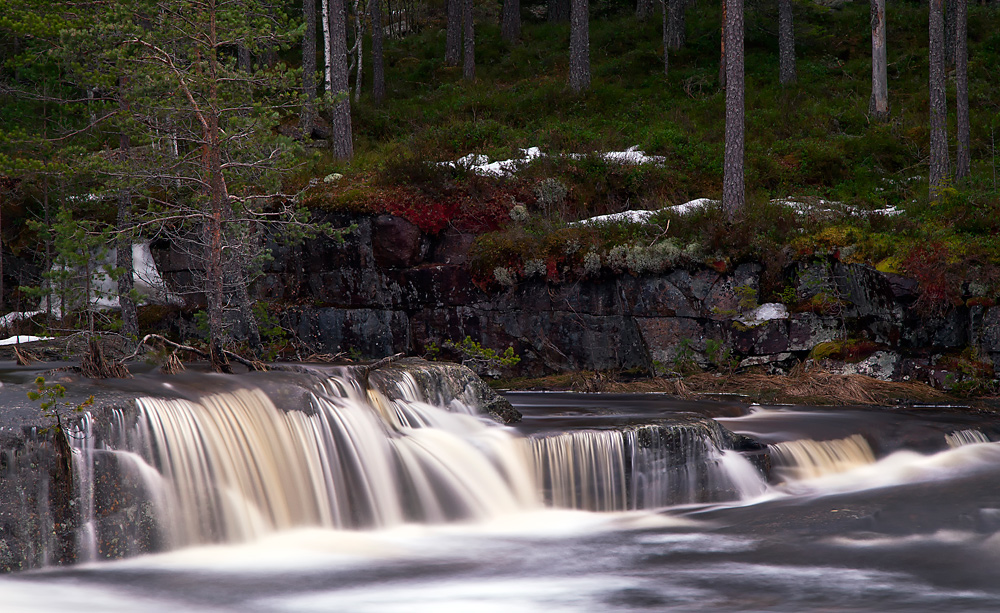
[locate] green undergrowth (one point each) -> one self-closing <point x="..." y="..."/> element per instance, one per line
<point x="812" y="142"/>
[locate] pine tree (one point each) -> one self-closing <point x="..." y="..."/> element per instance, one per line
<point x="733" y="191"/>
<point x="938" y="102"/>
<point x="579" y="46"/>
<point x="878" y="105"/>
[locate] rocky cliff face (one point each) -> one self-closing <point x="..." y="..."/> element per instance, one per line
<point x="389" y="288"/>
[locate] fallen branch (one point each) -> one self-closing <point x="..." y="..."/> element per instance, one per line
<point x="251" y="364"/>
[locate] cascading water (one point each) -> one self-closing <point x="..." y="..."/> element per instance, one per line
<point x="806" y="458"/>
<point x="960" y="438"/>
<point x="206" y="460"/>
<point x="640" y="467"/>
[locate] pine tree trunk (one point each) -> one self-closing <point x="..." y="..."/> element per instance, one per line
<point x="664" y="5"/>
<point x="378" y="55"/>
<point x="676" y="25"/>
<point x="733" y="190"/>
<point x="453" y="41"/>
<point x="342" y="138"/>
<point x="963" y="163"/>
<point x="878" y="104"/>
<point x="579" y="46"/>
<point x="510" y="21"/>
<point x="469" y="42"/>
<point x="950" y="35"/>
<point x="559" y="10"/>
<point x="307" y="117"/>
<point x="786" y="43"/>
<point x="643" y="9"/>
<point x="938" y="102"/>
<point x="243" y="60"/>
<point x="722" y="47"/>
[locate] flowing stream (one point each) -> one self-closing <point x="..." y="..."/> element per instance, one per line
<point x="314" y="491"/>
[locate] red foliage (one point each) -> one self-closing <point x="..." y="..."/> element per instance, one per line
<point x="939" y="283"/>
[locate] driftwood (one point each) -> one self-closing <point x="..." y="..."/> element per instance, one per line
<point x="23" y="356"/>
<point x="96" y="366"/>
<point x="146" y="340"/>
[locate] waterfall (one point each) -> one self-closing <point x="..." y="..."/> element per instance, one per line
<point x="638" y="468"/>
<point x="205" y="459"/>
<point x="806" y="459"/>
<point x="960" y="438"/>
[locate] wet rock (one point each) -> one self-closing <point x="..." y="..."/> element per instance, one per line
<point x="883" y="365"/>
<point x="397" y="243"/>
<point x="452" y="248"/>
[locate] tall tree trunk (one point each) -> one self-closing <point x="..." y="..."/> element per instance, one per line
<point x="307" y="117"/>
<point x="469" y="42"/>
<point x="878" y="105"/>
<point x="676" y="25"/>
<point x="579" y="46"/>
<point x="963" y="162"/>
<point x="243" y="59"/>
<point x="342" y="138"/>
<point x="359" y="49"/>
<point x="559" y="10"/>
<point x="722" y="47"/>
<point x="733" y="190"/>
<point x="664" y="5"/>
<point x="938" y="102"/>
<point x="950" y="35"/>
<point x="786" y="43"/>
<point x="643" y="9"/>
<point x="327" y="64"/>
<point x="453" y="41"/>
<point x="510" y="21"/>
<point x="378" y="62"/>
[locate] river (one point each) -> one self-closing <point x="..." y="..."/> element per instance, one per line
<point x="866" y="510"/>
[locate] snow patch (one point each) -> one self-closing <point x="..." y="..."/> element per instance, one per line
<point x="481" y="164"/>
<point x="765" y="312"/>
<point x="15" y="340"/>
<point x="10" y="318"/>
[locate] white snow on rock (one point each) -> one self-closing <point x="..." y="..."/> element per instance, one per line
<point x="104" y="290"/>
<point x="10" y="318"/>
<point x="481" y="164"/>
<point x="641" y="216"/>
<point x="15" y="340"/>
<point x="765" y="312"/>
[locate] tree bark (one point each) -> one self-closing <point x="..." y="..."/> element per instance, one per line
<point x="664" y="4"/>
<point x="733" y="190"/>
<point x="950" y="35"/>
<point x="938" y="102"/>
<point x="327" y="64"/>
<point x="559" y="10"/>
<point x="676" y="25"/>
<point x="786" y="43"/>
<point x="579" y="46"/>
<point x="378" y="54"/>
<point x="469" y="42"/>
<point x="963" y="163"/>
<point x="878" y="104"/>
<point x="722" y="47"/>
<point x="307" y="117"/>
<point x="510" y="21"/>
<point x="453" y="40"/>
<point x="342" y="138"/>
<point x="643" y="9"/>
